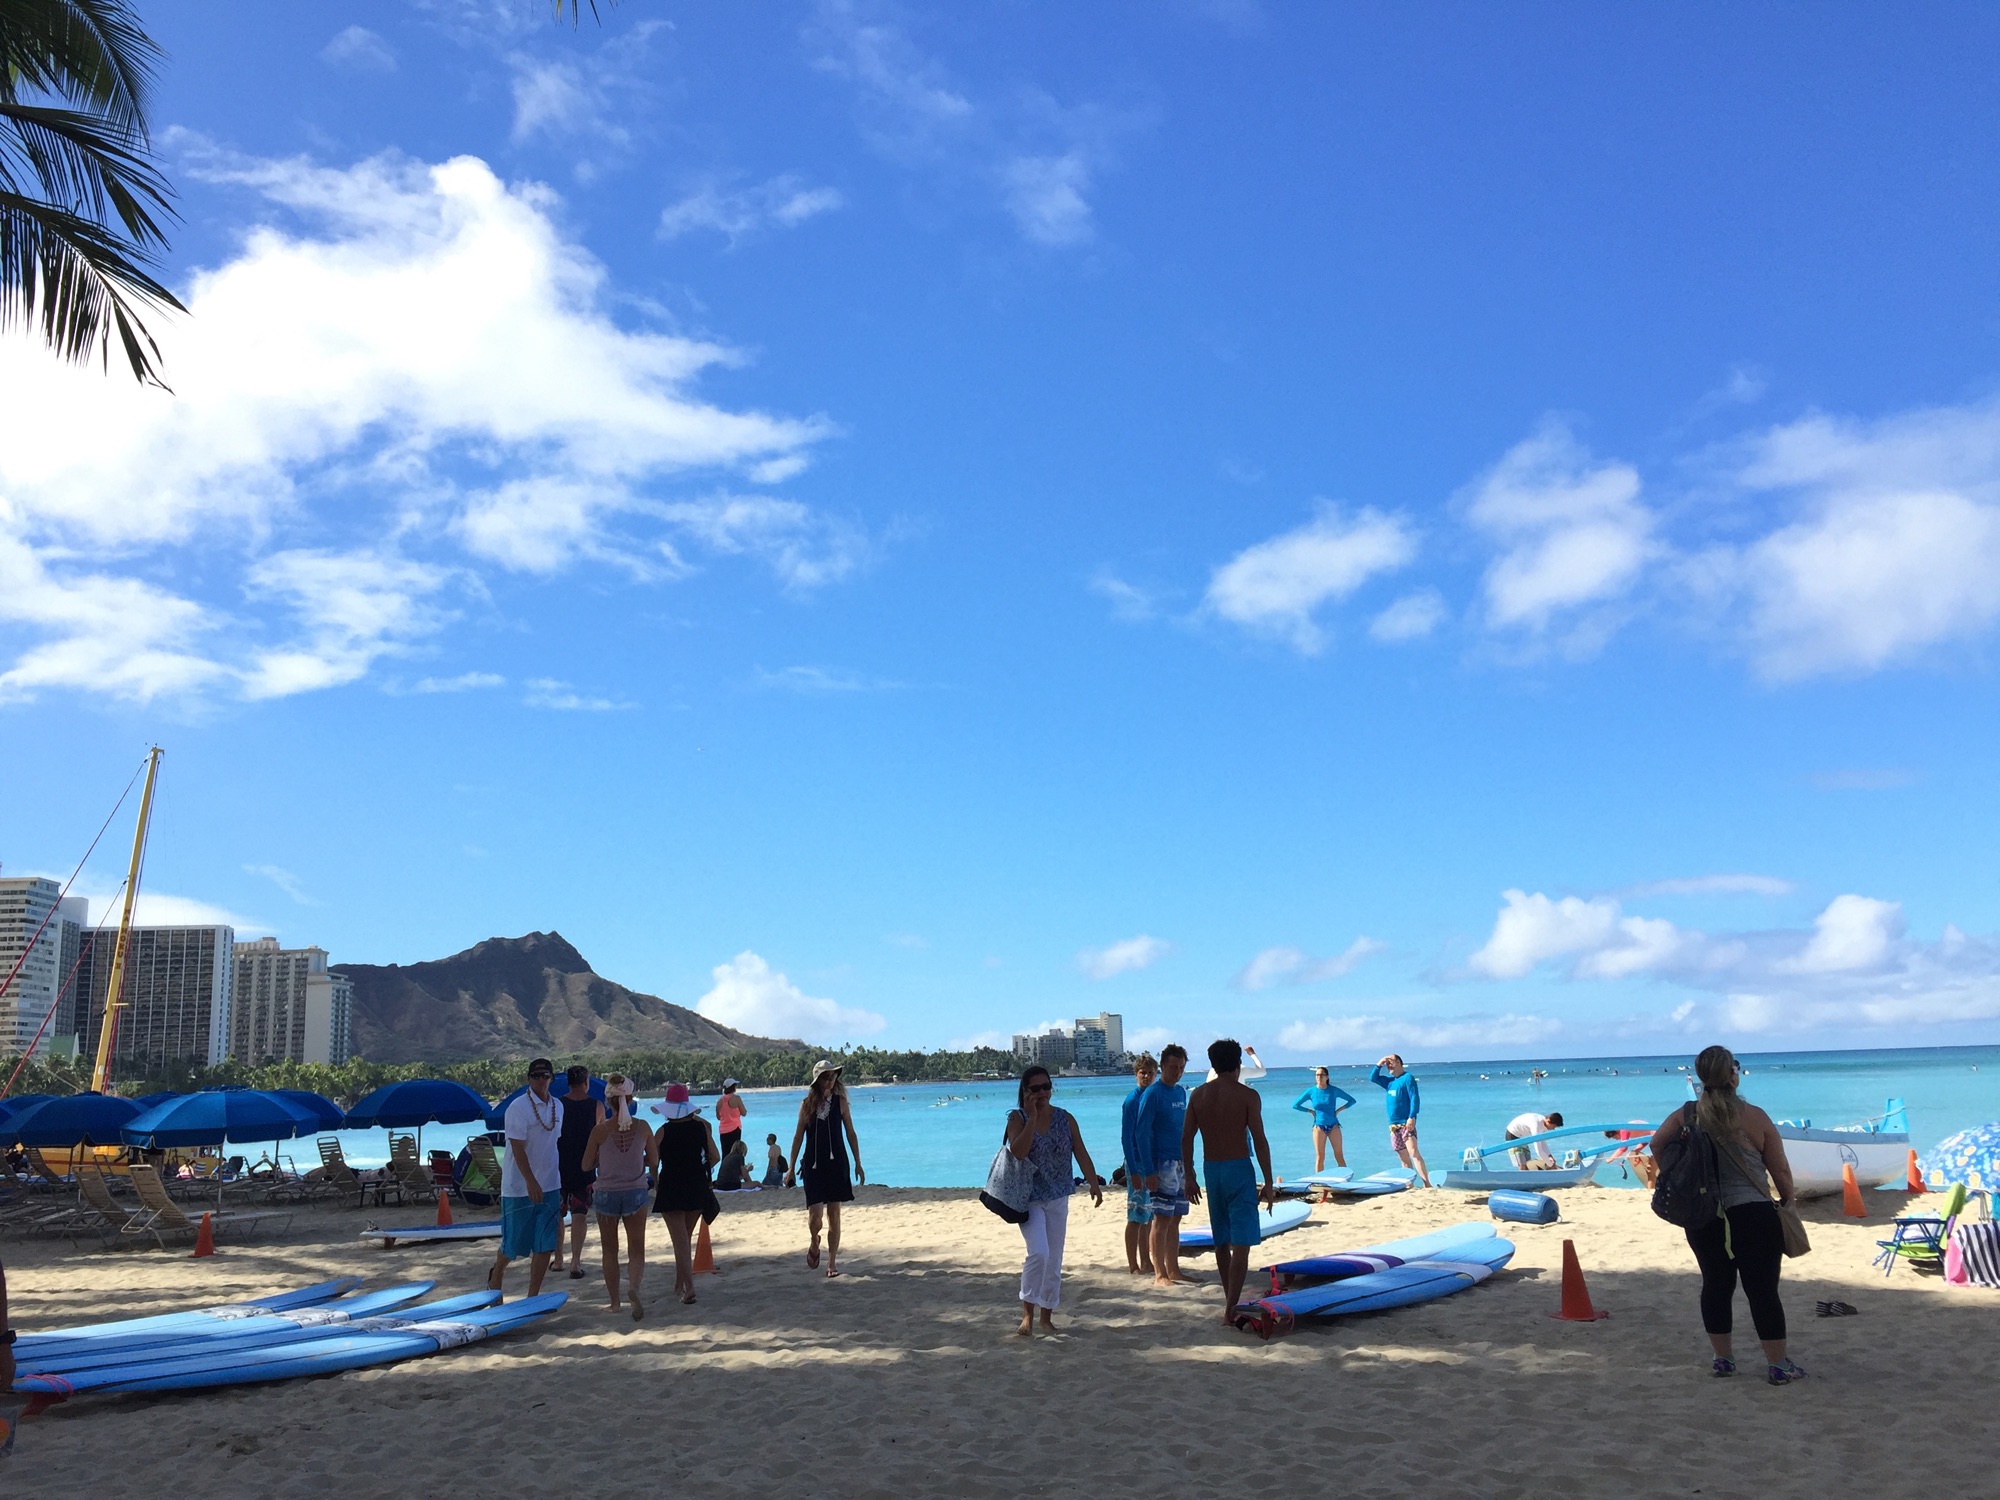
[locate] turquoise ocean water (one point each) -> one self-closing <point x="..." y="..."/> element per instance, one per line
<point x="944" y="1134"/>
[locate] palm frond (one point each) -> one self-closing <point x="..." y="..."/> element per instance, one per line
<point x="92" y="53"/>
<point x="79" y="282"/>
<point x="82" y="163"/>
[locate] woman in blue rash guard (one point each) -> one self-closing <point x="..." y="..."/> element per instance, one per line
<point x="1324" y="1102"/>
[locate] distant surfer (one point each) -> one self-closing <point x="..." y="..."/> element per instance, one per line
<point x="1404" y="1103"/>
<point x="1228" y="1116"/>
<point x="1157" y="1146"/>
<point x="1524" y="1125"/>
<point x="1324" y="1101"/>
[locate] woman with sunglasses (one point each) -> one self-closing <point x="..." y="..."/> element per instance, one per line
<point x="1047" y="1139"/>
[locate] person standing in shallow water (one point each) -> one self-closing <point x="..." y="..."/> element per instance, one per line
<point x="581" y="1115"/>
<point x="1745" y="1241"/>
<point x="1138" y="1200"/>
<point x="826" y="1130"/>
<point x="1047" y="1139"/>
<point x="622" y="1154"/>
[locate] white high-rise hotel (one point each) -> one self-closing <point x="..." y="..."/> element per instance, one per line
<point x="25" y="905"/>
<point x="287" y="1006"/>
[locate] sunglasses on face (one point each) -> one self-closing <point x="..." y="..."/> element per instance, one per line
<point x="544" y="1077"/>
<point x="1041" y="1088"/>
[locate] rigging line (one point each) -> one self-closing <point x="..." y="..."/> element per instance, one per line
<point x="85" y="949"/>
<point x="30" y="948"/>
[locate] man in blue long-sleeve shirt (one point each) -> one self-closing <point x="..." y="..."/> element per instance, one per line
<point x="1401" y="1083"/>
<point x="1156" y="1145"/>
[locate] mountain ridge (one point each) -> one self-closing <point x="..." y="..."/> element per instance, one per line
<point x="528" y="996"/>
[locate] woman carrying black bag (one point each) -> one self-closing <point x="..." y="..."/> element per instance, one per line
<point x="1045" y="1139"/>
<point x="1745" y="1239"/>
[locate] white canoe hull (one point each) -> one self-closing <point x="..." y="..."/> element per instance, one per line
<point x="1817" y="1157"/>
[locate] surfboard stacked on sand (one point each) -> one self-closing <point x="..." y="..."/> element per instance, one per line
<point x="1376" y="1277"/>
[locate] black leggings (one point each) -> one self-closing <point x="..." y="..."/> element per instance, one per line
<point x="1759" y="1244"/>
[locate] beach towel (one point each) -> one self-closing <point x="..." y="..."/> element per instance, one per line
<point x="1978" y="1247"/>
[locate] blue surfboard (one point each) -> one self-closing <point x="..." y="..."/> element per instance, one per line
<point x="324" y="1356"/>
<point x="1396" y="1180"/>
<point x="93" y="1372"/>
<point x="269" y="1328"/>
<point x="1436" y="1245"/>
<point x="1280" y="1220"/>
<point x="325" y="1291"/>
<point x="1470" y="1263"/>
<point x="478" y="1229"/>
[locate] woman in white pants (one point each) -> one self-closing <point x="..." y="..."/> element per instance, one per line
<point x="1046" y="1138"/>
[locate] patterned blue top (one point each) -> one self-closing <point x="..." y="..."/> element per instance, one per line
<point x="1049" y="1156"/>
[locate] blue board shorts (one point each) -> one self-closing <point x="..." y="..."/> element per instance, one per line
<point x="1169" y="1199"/>
<point x="1232" y="1202"/>
<point x="530" y="1228"/>
<point x="1138" y="1201"/>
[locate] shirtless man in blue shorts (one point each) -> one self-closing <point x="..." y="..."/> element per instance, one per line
<point x="1228" y="1115"/>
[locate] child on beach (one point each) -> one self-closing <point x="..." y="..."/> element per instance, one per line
<point x="774" y="1163"/>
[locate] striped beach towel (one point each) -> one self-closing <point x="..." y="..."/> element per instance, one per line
<point x="1978" y="1247"/>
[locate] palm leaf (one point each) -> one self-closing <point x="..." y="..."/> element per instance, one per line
<point x="78" y="282"/>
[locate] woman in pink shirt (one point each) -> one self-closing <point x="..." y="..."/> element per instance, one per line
<point x="729" y="1112"/>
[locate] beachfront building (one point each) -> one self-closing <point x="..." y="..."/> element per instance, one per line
<point x="288" y="1007"/>
<point x="178" y="986"/>
<point x="1092" y="1044"/>
<point x="45" y="959"/>
<point x="1113" y="1027"/>
<point x="1087" y="1041"/>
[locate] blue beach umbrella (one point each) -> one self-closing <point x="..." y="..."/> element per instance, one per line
<point x="496" y="1117"/>
<point x="1958" y="1157"/>
<point x="79" y="1119"/>
<point x="217" y="1115"/>
<point x="326" y="1114"/>
<point x="147" y="1101"/>
<point x="417" y="1102"/>
<point x="15" y="1105"/>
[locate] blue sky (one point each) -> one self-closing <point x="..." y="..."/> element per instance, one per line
<point x="1466" y="530"/>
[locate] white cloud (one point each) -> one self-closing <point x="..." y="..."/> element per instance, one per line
<point x="1128" y="600"/>
<point x="818" y="682"/>
<point x="1854" y="932"/>
<point x="284" y="880"/>
<point x="560" y="697"/>
<point x="156" y="908"/>
<point x="1410" y="618"/>
<point x="1572" y="532"/>
<point x="1288" y="965"/>
<point x="465" y="682"/>
<point x="1530" y="930"/>
<point x="562" y="100"/>
<point x="431" y="364"/>
<point x="783" y="202"/>
<point x="1277" y="586"/>
<point x="1124" y="957"/>
<point x="1149" y="1039"/>
<point x="361" y="49"/>
<point x="1716" y="885"/>
<point x="1370" y="1036"/>
<point x="751" y="996"/>
<point x="1045" y="194"/>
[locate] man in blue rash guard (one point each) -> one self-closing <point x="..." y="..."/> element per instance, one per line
<point x="1138" y="1198"/>
<point x="1156" y="1141"/>
<point x="1324" y="1101"/>
<point x="1401" y="1083"/>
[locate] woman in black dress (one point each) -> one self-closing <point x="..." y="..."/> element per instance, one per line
<point x="826" y="1129"/>
<point x="687" y="1154"/>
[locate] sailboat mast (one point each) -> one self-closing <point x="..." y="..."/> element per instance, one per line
<point x="114" y="991"/>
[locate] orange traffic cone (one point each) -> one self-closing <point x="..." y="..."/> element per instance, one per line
<point x="1576" y="1306"/>
<point x="444" y="1209"/>
<point x="704" y="1255"/>
<point x="204" y="1237"/>
<point x="1850" y="1193"/>
<point x="1914" y="1180"/>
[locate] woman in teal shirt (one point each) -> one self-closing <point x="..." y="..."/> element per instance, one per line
<point x="1324" y="1103"/>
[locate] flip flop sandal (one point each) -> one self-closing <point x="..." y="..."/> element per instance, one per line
<point x="812" y="1259"/>
<point x="576" y="1275"/>
<point x="1835" y="1309"/>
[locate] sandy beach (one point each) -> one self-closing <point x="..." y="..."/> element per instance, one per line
<point x="903" y="1377"/>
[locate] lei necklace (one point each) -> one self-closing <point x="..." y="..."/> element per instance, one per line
<point x="536" y="1105"/>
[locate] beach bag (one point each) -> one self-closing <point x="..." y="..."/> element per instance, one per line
<point x="1009" y="1181"/>
<point x="1790" y="1225"/>
<point x="1978" y="1247"/>
<point x="1686" y="1192"/>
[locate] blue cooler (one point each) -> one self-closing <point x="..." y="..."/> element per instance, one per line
<point x="1518" y="1207"/>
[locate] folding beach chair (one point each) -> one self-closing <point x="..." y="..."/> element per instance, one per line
<point x="169" y="1218"/>
<point x="1920" y="1239"/>
<point x="481" y="1183"/>
<point x="411" y="1175"/>
<point x="106" y="1217"/>
<point x="346" y="1180"/>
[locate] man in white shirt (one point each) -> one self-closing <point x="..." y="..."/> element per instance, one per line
<point x="531" y="1180"/>
<point x="1522" y="1126"/>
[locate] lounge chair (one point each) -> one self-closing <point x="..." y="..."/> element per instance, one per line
<point x="1920" y="1239"/>
<point x="346" y="1180"/>
<point x="104" y="1216"/>
<point x="481" y="1183"/>
<point x="168" y="1217"/>
<point x="411" y="1175"/>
